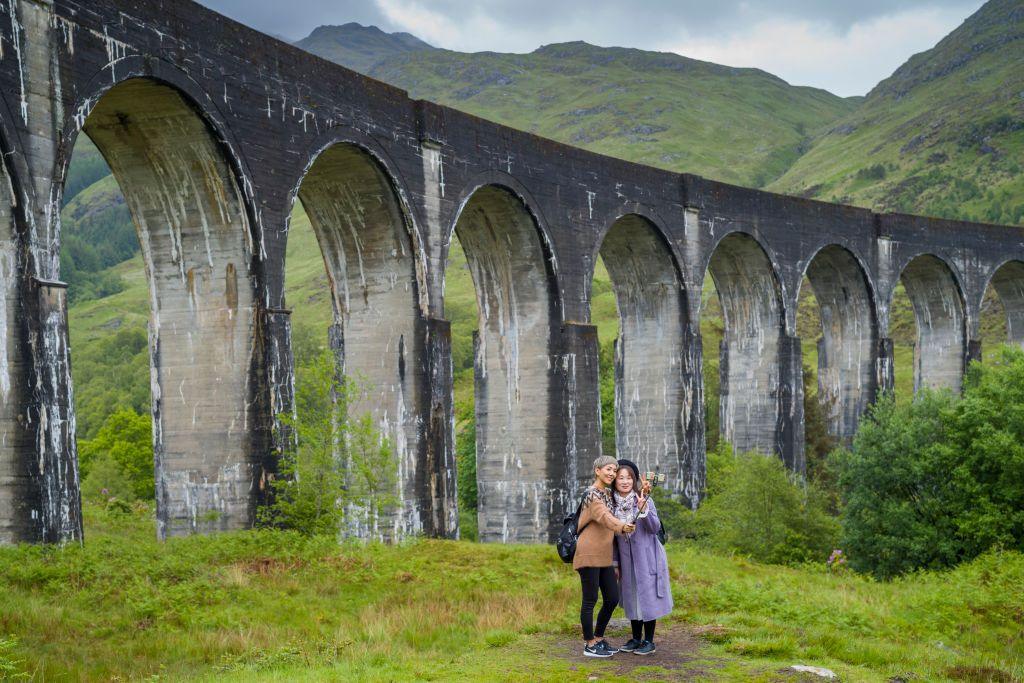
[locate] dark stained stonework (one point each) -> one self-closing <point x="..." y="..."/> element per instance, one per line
<point x="213" y="130"/>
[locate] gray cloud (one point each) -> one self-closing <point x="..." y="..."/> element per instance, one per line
<point x="616" y="20"/>
<point x="841" y="45"/>
<point x="294" y="19"/>
<point x="659" y="16"/>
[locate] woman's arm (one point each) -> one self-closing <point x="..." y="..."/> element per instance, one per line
<point x="600" y="514"/>
<point x="649" y="522"/>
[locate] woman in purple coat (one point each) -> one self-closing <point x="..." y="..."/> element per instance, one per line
<point x="640" y="560"/>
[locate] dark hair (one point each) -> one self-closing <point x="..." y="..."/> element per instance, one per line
<point x="631" y="465"/>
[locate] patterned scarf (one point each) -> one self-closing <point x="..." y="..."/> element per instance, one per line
<point x="625" y="506"/>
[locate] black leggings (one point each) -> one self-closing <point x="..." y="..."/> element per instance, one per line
<point x="643" y="630"/>
<point x="591" y="579"/>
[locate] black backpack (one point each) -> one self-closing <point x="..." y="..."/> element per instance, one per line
<point x="567" y="537"/>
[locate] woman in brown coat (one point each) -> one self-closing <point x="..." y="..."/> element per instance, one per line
<point x="593" y="558"/>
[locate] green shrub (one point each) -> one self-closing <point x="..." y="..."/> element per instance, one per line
<point x="875" y="172"/>
<point x="762" y="512"/>
<point x="465" y="464"/>
<point x="11" y="668"/>
<point x="119" y="459"/>
<point x="938" y="481"/>
<point x="757" y="508"/>
<point x="341" y="469"/>
<point x="606" y="372"/>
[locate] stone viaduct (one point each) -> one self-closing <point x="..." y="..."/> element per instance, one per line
<point x="213" y="132"/>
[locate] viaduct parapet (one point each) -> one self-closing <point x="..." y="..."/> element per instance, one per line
<point x="213" y="132"/>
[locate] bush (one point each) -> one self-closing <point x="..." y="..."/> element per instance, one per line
<point x="118" y="461"/>
<point x="896" y="510"/>
<point x="755" y="507"/>
<point x="759" y="509"/>
<point x="11" y="667"/>
<point x="876" y="172"/>
<point x="340" y="470"/>
<point x="465" y="465"/>
<point x="938" y="481"/>
<point x="606" y="377"/>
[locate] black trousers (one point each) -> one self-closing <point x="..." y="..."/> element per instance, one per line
<point x="643" y="630"/>
<point x="592" y="579"/>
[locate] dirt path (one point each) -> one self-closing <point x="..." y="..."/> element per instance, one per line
<point x="681" y="656"/>
<point x="678" y="653"/>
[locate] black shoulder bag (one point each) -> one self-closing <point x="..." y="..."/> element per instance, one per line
<point x="567" y="538"/>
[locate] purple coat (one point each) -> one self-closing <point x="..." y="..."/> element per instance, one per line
<point x="645" y="591"/>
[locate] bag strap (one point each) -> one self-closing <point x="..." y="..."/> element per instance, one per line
<point x="579" y="509"/>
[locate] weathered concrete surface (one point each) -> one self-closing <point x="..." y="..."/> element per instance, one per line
<point x="371" y="267"/>
<point x="192" y="227"/>
<point x="847" y="381"/>
<point x="1008" y="281"/>
<point x="938" y="309"/>
<point x="750" y="364"/>
<point x="652" y="406"/>
<point x="213" y="129"/>
<point x="518" y="482"/>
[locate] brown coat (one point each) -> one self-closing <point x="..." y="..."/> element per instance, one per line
<point x="594" y="546"/>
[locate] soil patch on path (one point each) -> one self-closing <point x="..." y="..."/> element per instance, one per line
<point x="678" y="656"/>
<point x="681" y="656"/>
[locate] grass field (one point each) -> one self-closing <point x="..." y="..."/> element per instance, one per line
<point x="266" y="605"/>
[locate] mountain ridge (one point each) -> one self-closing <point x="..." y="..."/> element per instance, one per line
<point x="740" y="125"/>
<point x="943" y="135"/>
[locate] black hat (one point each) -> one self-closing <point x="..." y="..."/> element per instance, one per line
<point x="631" y="465"/>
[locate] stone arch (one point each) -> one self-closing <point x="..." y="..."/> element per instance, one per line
<point x="194" y="228"/>
<point x="750" y="294"/>
<point x="377" y="333"/>
<point x="1008" y="282"/>
<point x="521" y="482"/>
<point x="937" y="299"/>
<point x="653" y="361"/>
<point x="848" y="347"/>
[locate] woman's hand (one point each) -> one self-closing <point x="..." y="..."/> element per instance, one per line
<point x="645" y="492"/>
<point x="618" y="575"/>
<point x="628" y="528"/>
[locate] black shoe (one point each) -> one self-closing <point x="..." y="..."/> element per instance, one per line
<point x="645" y="649"/>
<point x="604" y="644"/>
<point x="633" y="644"/>
<point x="595" y="650"/>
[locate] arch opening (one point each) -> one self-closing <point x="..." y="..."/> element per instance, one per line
<point x="194" y="235"/>
<point x="848" y="342"/>
<point x="652" y="394"/>
<point x="1002" y="308"/>
<point x="940" y="346"/>
<point x="521" y="483"/>
<point x="749" y="352"/>
<point x="361" y="305"/>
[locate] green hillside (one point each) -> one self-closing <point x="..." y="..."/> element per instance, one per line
<point x="739" y="125"/>
<point x="944" y="135"/>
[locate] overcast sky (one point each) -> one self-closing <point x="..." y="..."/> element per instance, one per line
<point x="845" y="46"/>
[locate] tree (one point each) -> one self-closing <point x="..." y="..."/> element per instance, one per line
<point x="758" y="508"/>
<point x="938" y="481"/>
<point x="119" y="458"/>
<point x="340" y="469"/>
